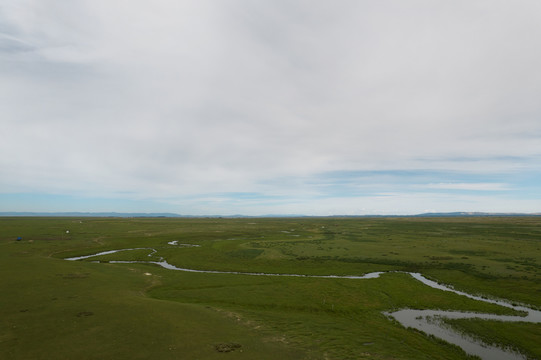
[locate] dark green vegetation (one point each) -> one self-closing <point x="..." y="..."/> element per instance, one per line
<point x="52" y="308"/>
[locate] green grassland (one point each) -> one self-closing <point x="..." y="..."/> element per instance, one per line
<point x="53" y="308"/>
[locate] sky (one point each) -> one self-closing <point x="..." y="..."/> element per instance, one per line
<point x="349" y="107"/>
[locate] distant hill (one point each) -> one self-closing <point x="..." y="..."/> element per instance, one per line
<point x="460" y="213"/>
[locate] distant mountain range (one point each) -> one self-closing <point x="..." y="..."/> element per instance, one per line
<point x="173" y="215"/>
<point x="462" y="213"/>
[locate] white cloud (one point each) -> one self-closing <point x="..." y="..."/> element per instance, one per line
<point x="176" y="98"/>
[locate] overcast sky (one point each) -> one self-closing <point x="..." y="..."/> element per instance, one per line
<point x="270" y="107"/>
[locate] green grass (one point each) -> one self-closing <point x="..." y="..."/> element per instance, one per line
<point x="520" y="336"/>
<point x="89" y="310"/>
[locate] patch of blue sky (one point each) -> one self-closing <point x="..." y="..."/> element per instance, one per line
<point x="526" y="186"/>
<point x="393" y="176"/>
<point x="42" y="202"/>
<point x="378" y="183"/>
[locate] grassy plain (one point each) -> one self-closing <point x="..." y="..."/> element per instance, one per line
<point x="52" y="308"/>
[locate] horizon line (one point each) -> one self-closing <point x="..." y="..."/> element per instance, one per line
<point x="176" y="215"/>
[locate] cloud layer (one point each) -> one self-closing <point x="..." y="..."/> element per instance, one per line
<point x="193" y="104"/>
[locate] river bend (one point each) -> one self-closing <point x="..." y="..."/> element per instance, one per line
<point x="427" y="321"/>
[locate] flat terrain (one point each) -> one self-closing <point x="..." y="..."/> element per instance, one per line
<point x="51" y="308"/>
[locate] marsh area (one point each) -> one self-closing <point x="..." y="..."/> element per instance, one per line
<point x="427" y="321"/>
<point x="309" y="288"/>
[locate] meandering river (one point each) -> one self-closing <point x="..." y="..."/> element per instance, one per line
<point x="428" y="321"/>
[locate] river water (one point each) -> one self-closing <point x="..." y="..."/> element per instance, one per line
<point x="428" y="321"/>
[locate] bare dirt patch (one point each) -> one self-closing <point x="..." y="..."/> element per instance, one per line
<point x="227" y="347"/>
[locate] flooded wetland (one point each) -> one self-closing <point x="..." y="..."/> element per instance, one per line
<point x="307" y="288"/>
